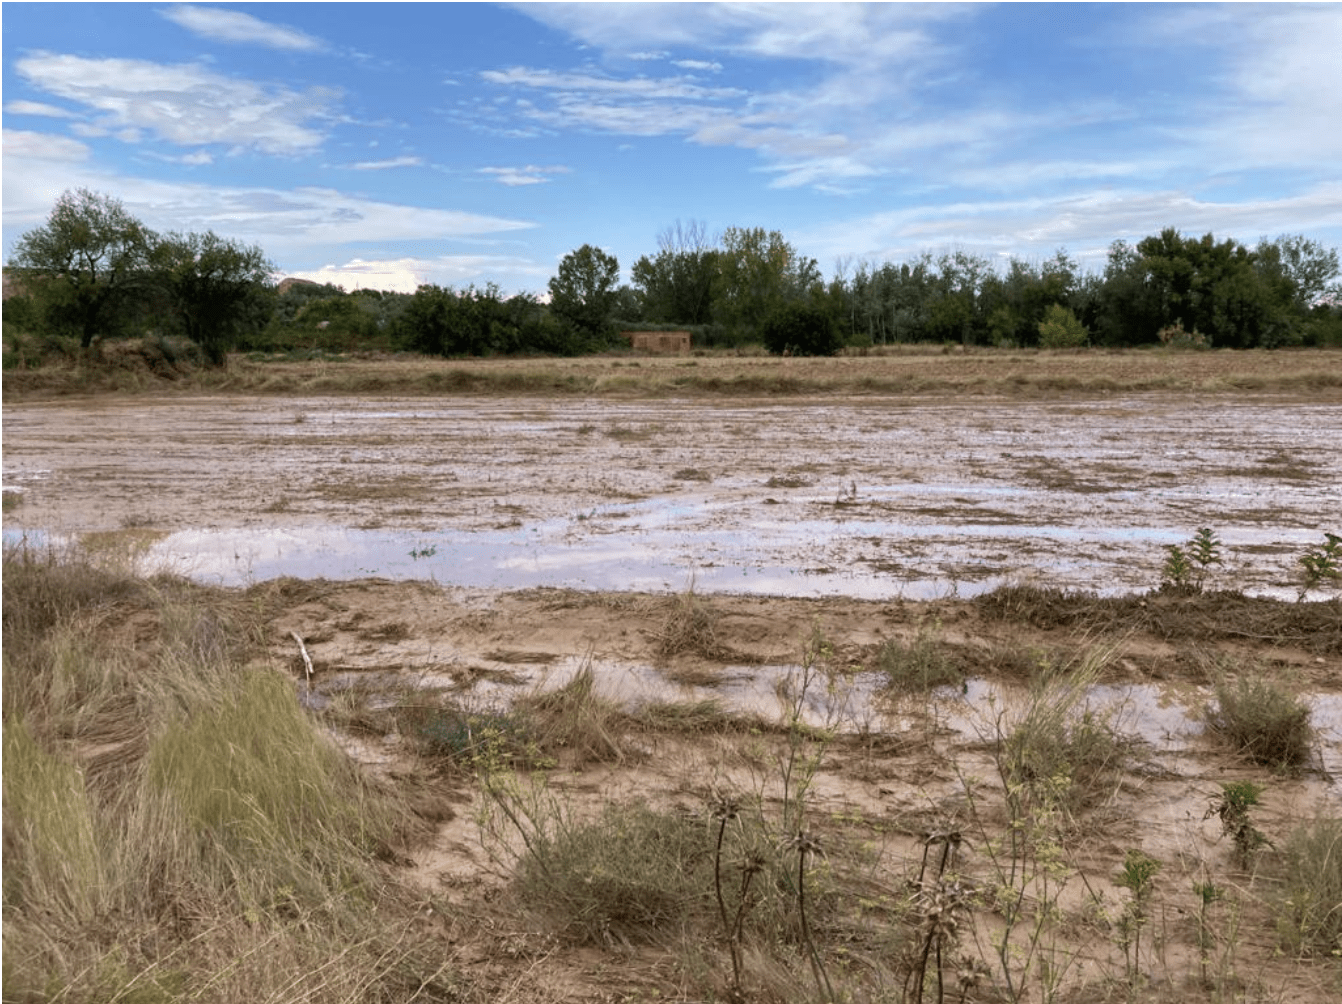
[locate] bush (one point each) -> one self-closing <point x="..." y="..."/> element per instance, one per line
<point x="800" y="329"/>
<point x="627" y="874"/>
<point x="1060" y="329"/>
<point x="1262" y="721"/>
<point x="919" y="665"/>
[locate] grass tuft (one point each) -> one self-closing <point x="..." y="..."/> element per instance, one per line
<point x="1310" y="919"/>
<point x="1263" y="721"/>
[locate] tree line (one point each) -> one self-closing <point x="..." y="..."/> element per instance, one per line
<point x="93" y="271"/>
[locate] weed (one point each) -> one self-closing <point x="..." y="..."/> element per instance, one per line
<point x="1262" y="720"/>
<point x="1310" y="908"/>
<point x="942" y="902"/>
<point x="1138" y="875"/>
<point x="1237" y="798"/>
<point x="1207" y="893"/>
<point x="574" y="721"/>
<point x="630" y="874"/>
<point x="1321" y="563"/>
<point x="426" y="551"/>
<point x="689" y="627"/>
<point x="921" y="665"/>
<point x="1188" y="565"/>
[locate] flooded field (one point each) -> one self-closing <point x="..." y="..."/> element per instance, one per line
<point x="860" y="497"/>
<point x="664" y="601"/>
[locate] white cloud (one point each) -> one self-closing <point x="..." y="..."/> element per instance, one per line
<point x="705" y="65"/>
<point x="590" y="84"/>
<point x="37" y="108"/>
<point x="234" y="26"/>
<point x="529" y="175"/>
<point x="405" y="275"/>
<point x="186" y="104"/>
<point x="1085" y="222"/>
<point x="22" y="144"/>
<point x="382" y="165"/>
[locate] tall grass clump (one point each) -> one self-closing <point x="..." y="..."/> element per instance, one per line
<point x="1058" y="752"/>
<point x="1262" y="720"/>
<point x="174" y="827"/>
<point x="630" y="874"/>
<point x="1311" y="896"/>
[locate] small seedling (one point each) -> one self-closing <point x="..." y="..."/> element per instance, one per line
<point x="1321" y="563"/>
<point x="1137" y="876"/>
<point x="1207" y="894"/>
<point x="1187" y="565"/>
<point x="427" y="551"/>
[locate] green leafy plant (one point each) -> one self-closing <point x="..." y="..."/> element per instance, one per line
<point x="1187" y="565"/>
<point x="1233" y="805"/>
<point x="1138" y="877"/>
<point x="1321" y="563"/>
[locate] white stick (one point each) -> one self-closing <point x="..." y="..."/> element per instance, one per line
<point x="307" y="661"/>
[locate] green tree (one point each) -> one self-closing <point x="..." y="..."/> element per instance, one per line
<point x="218" y="287"/>
<point x="1061" y="330"/>
<point x="676" y="285"/>
<point x="86" y="262"/>
<point x="583" y="292"/>
<point x="800" y="329"/>
<point x="758" y="272"/>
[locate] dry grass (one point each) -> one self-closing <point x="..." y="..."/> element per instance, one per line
<point x="895" y="370"/>
<point x="174" y="826"/>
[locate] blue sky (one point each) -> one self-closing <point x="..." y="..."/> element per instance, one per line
<point x="390" y="144"/>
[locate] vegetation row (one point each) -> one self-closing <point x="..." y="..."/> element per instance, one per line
<point x="95" y="272"/>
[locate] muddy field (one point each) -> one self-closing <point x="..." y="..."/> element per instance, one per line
<point x="481" y="550"/>
<point x="873" y="498"/>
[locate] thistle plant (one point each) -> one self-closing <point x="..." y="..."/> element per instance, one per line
<point x="1322" y="562"/>
<point x="942" y="903"/>
<point x="807" y="845"/>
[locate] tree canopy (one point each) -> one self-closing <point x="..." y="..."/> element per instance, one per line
<point x="86" y="260"/>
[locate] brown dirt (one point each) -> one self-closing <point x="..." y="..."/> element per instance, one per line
<point x="139" y="468"/>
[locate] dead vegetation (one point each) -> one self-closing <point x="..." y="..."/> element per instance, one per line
<point x="136" y="366"/>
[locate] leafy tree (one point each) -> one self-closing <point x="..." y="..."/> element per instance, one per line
<point x="85" y="262"/>
<point x="801" y="329"/>
<point x="758" y="272"/>
<point x="676" y="286"/>
<point x="1306" y="269"/>
<point x="218" y="287"/>
<point x="584" y="291"/>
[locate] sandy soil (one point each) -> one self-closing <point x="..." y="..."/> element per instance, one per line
<point x="549" y="534"/>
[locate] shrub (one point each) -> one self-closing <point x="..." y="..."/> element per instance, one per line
<point x="627" y="874"/>
<point x="1060" y="329"/>
<point x="1262" y="721"/>
<point x="800" y="329"/>
<point x="920" y="665"/>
